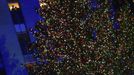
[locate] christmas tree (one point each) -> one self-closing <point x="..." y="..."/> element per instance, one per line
<point x="83" y="37"/>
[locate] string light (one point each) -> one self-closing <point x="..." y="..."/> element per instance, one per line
<point x="77" y="41"/>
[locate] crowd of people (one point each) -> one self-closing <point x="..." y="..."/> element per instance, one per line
<point x="80" y="37"/>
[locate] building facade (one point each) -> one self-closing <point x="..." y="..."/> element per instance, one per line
<point x="16" y="18"/>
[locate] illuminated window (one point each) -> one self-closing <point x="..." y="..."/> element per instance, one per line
<point x="13" y="6"/>
<point x="16" y="12"/>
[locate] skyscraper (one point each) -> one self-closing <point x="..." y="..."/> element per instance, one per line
<point x="16" y="18"/>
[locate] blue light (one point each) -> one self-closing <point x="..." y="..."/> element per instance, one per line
<point x="116" y="25"/>
<point x="93" y="5"/>
<point x="60" y="59"/>
<point x="94" y="34"/>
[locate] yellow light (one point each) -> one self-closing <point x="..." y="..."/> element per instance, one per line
<point x="10" y="5"/>
<point x="43" y="4"/>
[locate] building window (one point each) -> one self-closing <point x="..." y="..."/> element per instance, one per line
<point x="20" y="28"/>
<point x="13" y="5"/>
<point x="24" y="41"/>
<point x="16" y="13"/>
<point x="19" y="24"/>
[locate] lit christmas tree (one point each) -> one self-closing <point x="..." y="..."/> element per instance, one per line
<point x="80" y="37"/>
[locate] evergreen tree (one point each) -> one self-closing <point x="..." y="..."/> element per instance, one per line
<point x="77" y="37"/>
